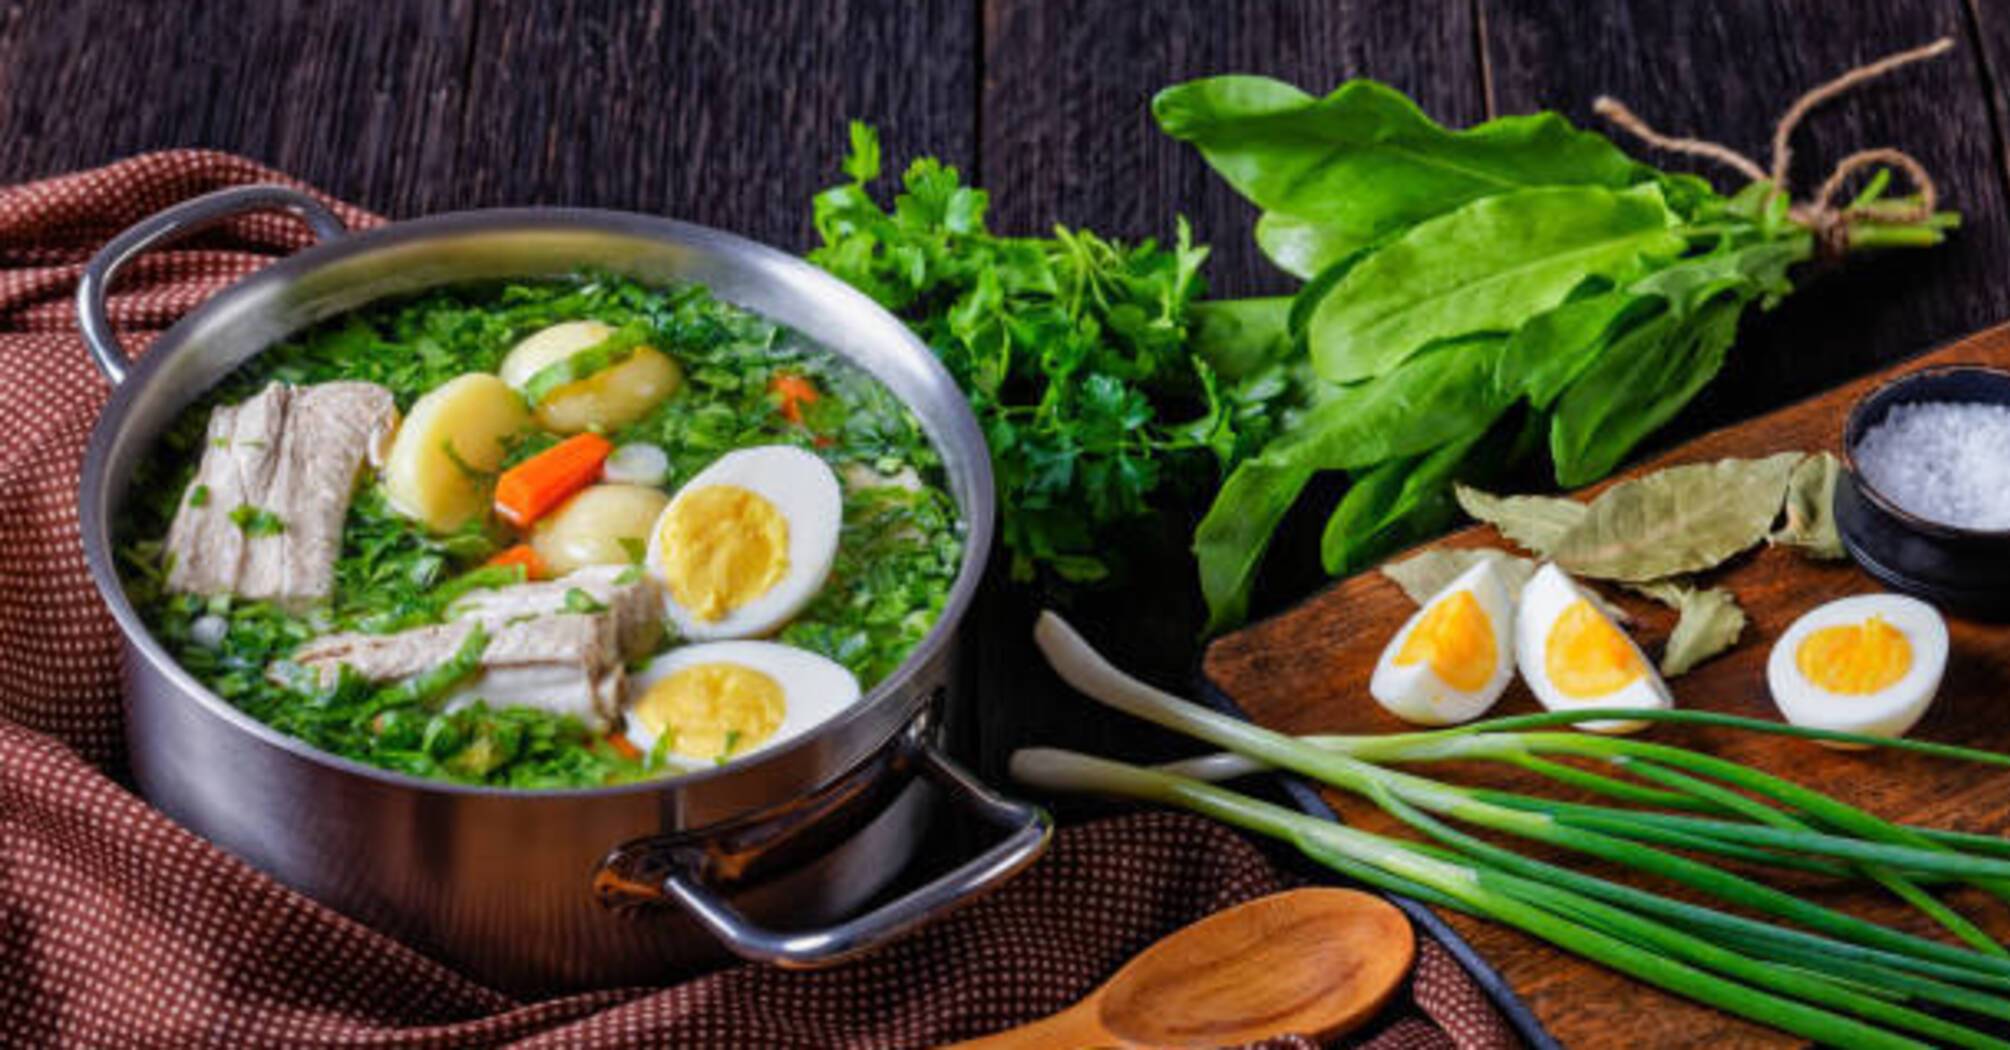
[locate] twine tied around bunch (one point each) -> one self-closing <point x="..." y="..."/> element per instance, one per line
<point x="1820" y="214"/>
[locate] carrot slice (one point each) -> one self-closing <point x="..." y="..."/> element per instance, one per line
<point x="624" y="747"/>
<point x="794" y="391"/>
<point x="522" y="554"/>
<point x="529" y="489"/>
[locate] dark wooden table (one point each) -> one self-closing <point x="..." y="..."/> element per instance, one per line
<point x="733" y="114"/>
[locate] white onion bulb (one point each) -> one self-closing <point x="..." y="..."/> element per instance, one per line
<point x="637" y="463"/>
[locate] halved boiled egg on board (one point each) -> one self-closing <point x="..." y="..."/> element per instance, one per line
<point x="746" y="543"/>
<point x="1573" y="656"/>
<point x="721" y="700"/>
<point x="1868" y="664"/>
<point x="1451" y="660"/>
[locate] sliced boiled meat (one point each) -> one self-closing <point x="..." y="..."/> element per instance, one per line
<point x="630" y="599"/>
<point x="563" y="663"/>
<point x="263" y="518"/>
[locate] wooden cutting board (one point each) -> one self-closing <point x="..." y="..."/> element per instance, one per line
<point x="1306" y="671"/>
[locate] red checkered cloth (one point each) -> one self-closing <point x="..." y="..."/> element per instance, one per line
<point x="119" y="928"/>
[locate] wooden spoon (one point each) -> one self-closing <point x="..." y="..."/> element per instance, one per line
<point x="1316" y="962"/>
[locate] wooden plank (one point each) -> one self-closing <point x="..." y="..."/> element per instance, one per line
<point x="1726" y="72"/>
<point x="732" y="115"/>
<point x="1989" y="27"/>
<point x="1067" y="129"/>
<point x="363" y="103"/>
<point x="1068" y="137"/>
<point x="1307" y="671"/>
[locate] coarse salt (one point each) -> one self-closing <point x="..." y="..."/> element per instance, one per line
<point x="1945" y="461"/>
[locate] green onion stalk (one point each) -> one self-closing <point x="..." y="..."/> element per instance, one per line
<point x="1794" y="827"/>
<point x="1830" y="976"/>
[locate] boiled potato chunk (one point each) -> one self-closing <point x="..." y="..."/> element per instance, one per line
<point x="605" y="401"/>
<point x="591" y="527"/>
<point x="475" y="413"/>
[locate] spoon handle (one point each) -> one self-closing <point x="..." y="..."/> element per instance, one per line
<point x="1075" y="1028"/>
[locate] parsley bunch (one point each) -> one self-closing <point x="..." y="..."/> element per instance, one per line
<point x="1072" y="350"/>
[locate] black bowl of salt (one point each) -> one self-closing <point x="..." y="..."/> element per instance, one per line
<point x="1925" y="504"/>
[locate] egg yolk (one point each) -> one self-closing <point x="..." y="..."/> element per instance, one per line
<point x="722" y="547"/>
<point x="1585" y="656"/>
<point x="1458" y="641"/>
<point x="713" y="710"/>
<point x="1855" y="658"/>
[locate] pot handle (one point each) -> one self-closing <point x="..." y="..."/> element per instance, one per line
<point x="167" y="224"/>
<point x="1030" y="826"/>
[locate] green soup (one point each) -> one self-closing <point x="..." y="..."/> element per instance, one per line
<point x="899" y="545"/>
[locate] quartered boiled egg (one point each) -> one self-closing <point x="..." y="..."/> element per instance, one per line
<point x="721" y="700"/>
<point x="1451" y="660"/>
<point x="1573" y="656"/>
<point x="1868" y="664"/>
<point x="745" y="544"/>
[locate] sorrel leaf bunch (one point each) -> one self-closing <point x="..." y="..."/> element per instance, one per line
<point x="1471" y="298"/>
<point x="1072" y="349"/>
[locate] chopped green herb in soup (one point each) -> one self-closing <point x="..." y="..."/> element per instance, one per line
<point x="542" y="535"/>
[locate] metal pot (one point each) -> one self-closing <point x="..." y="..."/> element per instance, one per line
<point x="539" y="891"/>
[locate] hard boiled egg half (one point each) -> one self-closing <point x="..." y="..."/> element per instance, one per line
<point x="1573" y="656"/>
<point x="1451" y="660"/>
<point x="745" y="544"/>
<point x="1868" y="664"/>
<point x="718" y="701"/>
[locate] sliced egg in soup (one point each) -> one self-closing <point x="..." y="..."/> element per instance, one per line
<point x="1868" y="664"/>
<point x="1573" y="656"/>
<point x="1451" y="660"/>
<point x="719" y="701"/>
<point x="745" y="544"/>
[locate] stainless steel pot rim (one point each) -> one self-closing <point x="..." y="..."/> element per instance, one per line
<point x="977" y="517"/>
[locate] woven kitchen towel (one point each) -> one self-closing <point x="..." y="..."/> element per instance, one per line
<point x="118" y="928"/>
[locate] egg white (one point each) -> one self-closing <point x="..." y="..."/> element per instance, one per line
<point x="1414" y="692"/>
<point x="804" y="491"/>
<point x="1890" y="711"/>
<point x="814" y="689"/>
<point x="1543" y="600"/>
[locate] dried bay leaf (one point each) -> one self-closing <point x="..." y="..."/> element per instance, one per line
<point x="1650" y="532"/>
<point x="1535" y="523"/>
<point x="1667" y="592"/>
<point x="1810" y="527"/>
<point x="1708" y="621"/>
<point x="1678" y="520"/>
<point x="1427" y="573"/>
<point x="1423" y="575"/>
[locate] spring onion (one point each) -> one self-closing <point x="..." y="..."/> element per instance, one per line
<point x="637" y="463"/>
<point x="1830" y="976"/>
